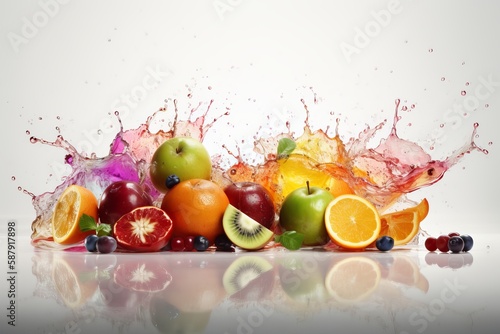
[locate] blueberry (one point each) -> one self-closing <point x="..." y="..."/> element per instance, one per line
<point x="456" y="244"/>
<point x="468" y="242"/>
<point x="384" y="243"/>
<point x="201" y="243"/>
<point x="172" y="180"/>
<point x="90" y="243"/>
<point x="106" y="244"/>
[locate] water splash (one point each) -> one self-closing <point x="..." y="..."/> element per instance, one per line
<point x="383" y="174"/>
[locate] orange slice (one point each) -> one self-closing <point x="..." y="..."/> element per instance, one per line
<point x="353" y="279"/>
<point x="72" y="204"/>
<point x="404" y="225"/>
<point x="352" y="222"/>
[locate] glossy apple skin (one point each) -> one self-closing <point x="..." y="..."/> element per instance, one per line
<point x="303" y="211"/>
<point x="183" y="156"/>
<point x="254" y="200"/>
<point x="120" y="198"/>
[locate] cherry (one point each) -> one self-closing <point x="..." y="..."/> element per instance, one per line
<point x="189" y="243"/>
<point x="442" y="243"/>
<point x="177" y="244"/>
<point x="430" y="244"/>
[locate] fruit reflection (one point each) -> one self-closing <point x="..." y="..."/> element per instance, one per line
<point x="72" y="280"/>
<point x="449" y="260"/>
<point x="185" y="306"/>
<point x="249" y="278"/>
<point x="167" y="318"/>
<point x="302" y="278"/>
<point x="353" y="279"/>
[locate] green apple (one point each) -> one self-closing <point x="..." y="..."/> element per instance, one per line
<point x="183" y="156"/>
<point x="303" y="211"/>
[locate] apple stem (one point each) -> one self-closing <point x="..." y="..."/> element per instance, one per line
<point x="308" y="189"/>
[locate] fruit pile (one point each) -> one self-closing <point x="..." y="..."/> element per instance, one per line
<point x="197" y="213"/>
<point x="452" y="242"/>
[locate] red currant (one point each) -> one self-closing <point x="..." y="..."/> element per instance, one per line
<point x="177" y="244"/>
<point x="453" y="234"/>
<point x="431" y="244"/>
<point x="189" y="243"/>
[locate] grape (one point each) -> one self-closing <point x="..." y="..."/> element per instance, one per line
<point x="201" y="243"/>
<point x="384" y="243"/>
<point x="442" y="243"/>
<point x="177" y="244"/>
<point x="171" y="181"/>
<point x="456" y="244"/>
<point x="106" y="244"/>
<point x="430" y="244"/>
<point x="189" y="243"/>
<point x="468" y="242"/>
<point x="90" y="243"/>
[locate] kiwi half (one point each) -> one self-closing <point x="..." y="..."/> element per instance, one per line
<point x="249" y="277"/>
<point x="244" y="231"/>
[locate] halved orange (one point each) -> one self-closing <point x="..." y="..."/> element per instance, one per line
<point x="404" y="225"/>
<point x="352" y="222"/>
<point x="353" y="279"/>
<point x="71" y="205"/>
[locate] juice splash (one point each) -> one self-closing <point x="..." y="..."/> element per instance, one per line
<point x="382" y="174"/>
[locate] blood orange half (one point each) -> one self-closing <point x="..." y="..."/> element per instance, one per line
<point x="145" y="229"/>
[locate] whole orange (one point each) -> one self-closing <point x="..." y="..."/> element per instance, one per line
<point x="196" y="207"/>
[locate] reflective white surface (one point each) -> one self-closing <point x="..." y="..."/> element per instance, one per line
<point x="407" y="290"/>
<point x="70" y="64"/>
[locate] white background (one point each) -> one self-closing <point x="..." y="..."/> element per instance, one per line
<point x="77" y="59"/>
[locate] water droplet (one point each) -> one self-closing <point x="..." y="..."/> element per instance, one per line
<point x="190" y="95"/>
<point x="209" y="87"/>
<point x="412" y="106"/>
<point x="40" y="118"/>
<point x="490" y="143"/>
<point x="441" y="125"/>
<point x="476" y="124"/>
<point x="463" y="93"/>
<point x="58" y="129"/>
<point x="19" y="188"/>
<point x="33" y="140"/>
<point x="117" y="113"/>
<point x="28" y="132"/>
<point x="443" y="78"/>
<point x="58" y="117"/>
<point x="486" y="105"/>
<point x="13" y="178"/>
<point x="467" y="83"/>
<point x="463" y="63"/>
<point x="69" y="159"/>
<point x="431" y="50"/>
<point x="404" y="108"/>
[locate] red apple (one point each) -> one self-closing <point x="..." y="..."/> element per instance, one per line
<point x="254" y="200"/>
<point x="120" y="198"/>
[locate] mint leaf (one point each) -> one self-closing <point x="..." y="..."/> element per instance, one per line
<point x="103" y="229"/>
<point x="87" y="223"/>
<point x="285" y="147"/>
<point x="291" y="240"/>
